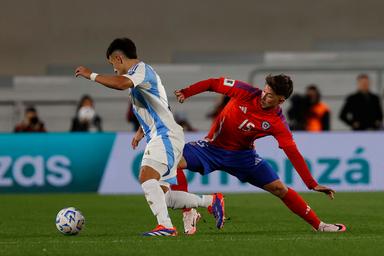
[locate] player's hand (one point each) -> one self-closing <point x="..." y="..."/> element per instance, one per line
<point x="330" y="192"/>
<point x="180" y="96"/>
<point x="136" y="139"/>
<point x="83" y="71"/>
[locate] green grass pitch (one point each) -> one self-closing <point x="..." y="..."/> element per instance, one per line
<point x="259" y="225"/>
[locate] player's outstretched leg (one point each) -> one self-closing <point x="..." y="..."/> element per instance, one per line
<point x="179" y="198"/>
<point x="190" y="215"/>
<point x="214" y="203"/>
<point x="298" y="206"/>
<point x="154" y="195"/>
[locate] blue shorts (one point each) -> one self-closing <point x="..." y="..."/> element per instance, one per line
<point x="245" y="165"/>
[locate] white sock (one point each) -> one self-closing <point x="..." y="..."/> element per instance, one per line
<point x="156" y="200"/>
<point x="181" y="199"/>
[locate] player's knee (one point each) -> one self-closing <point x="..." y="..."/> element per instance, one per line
<point x="280" y="191"/>
<point x="148" y="173"/>
<point x="277" y="188"/>
<point x="142" y="178"/>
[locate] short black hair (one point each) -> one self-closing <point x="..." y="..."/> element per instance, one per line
<point x="281" y="84"/>
<point x="125" y="45"/>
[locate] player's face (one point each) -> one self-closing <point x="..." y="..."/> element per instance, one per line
<point x="117" y="63"/>
<point x="269" y="99"/>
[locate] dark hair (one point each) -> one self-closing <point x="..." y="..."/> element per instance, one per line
<point x="362" y="76"/>
<point x="280" y="84"/>
<point x="126" y="45"/>
<point x="313" y="87"/>
<point x="30" y="109"/>
<point x="81" y="102"/>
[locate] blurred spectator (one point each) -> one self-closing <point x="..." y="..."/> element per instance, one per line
<point x="131" y="118"/>
<point x="308" y="112"/>
<point x="31" y="122"/>
<point x="86" y="119"/>
<point x="317" y="117"/>
<point x="297" y="112"/>
<point x="221" y="103"/>
<point x="181" y="119"/>
<point x="362" y="110"/>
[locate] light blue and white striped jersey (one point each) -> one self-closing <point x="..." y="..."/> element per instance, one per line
<point x="150" y="103"/>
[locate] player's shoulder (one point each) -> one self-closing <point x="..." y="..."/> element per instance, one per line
<point x="139" y="67"/>
<point x="279" y="119"/>
<point x="279" y="115"/>
<point x="239" y="84"/>
<point x="232" y="82"/>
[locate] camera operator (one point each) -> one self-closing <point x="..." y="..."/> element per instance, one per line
<point x="31" y="122"/>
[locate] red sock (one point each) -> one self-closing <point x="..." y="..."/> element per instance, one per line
<point x="182" y="184"/>
<point x="297" y="205"/>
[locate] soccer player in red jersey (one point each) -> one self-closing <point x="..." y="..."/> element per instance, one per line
<point x="251" y="114"/>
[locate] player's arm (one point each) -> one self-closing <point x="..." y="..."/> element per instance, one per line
<point x="301" y="167"/>
<point x="110" y="81"/>
<point x="284" y="137"/>
<point x="229" y="87"/>
<point x="137" y="138"/>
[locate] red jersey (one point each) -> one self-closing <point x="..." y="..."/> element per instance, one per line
<point x="244" y="120"/>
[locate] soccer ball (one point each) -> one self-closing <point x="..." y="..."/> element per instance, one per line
<point x="70" y="221"/>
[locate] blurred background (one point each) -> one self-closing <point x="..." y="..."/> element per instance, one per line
<point x="327" y="43"/>
<point x="66" y="141"/>
<point x="334" y="51"/>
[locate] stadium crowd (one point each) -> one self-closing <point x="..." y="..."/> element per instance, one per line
<point x="361" y="111"/>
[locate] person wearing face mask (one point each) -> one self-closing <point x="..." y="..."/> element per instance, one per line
<point x="86" y="119"/>
<point x="31" y="122"/>
<point x="318" y="114"/>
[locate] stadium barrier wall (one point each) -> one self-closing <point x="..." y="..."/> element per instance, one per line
<point x="105" y="163"/>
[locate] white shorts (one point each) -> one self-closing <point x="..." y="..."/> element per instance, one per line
<point x="163" y="153"/>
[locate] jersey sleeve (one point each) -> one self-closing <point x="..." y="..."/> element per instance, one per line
<point x="136" y="74"/>
<point x="300" y="165"/>
<point x="286" y="142"/>
<point x="229" y="87"/>
<point x="282" y="133"/>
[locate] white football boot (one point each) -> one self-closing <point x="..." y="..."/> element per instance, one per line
<point x="190" y="219"/>
<point x="324" y="227"/>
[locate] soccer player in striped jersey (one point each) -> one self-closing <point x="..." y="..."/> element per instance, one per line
<point x="252" y="113"/>
<point x="165" y="138"/>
